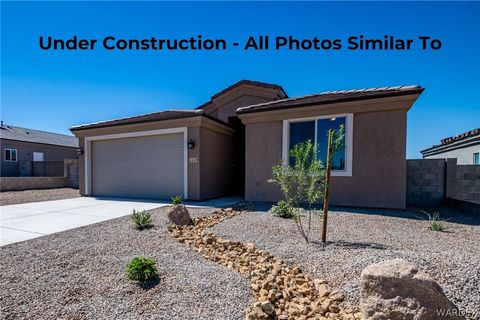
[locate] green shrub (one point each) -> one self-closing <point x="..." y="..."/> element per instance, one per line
<point x="142" y="220"/>
<point x="436" y="224"/>
<point x="142" y="270"/>
<point x="283" y="210"/>
<point x="177" y="200"/>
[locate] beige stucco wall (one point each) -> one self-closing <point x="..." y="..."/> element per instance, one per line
<point x="194" y="168"/>
<point x="205" y="133"/>
<point x="379" y="164"/>
<point x="379" y="168"/>
<point x="225" y="105"/>
<point x="229" y="108"/>
<point x="263" y="149"/>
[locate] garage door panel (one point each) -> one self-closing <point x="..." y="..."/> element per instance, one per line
<point x="144" y="167"/>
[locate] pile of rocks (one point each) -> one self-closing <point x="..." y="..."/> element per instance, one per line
<point x="280" y="291"/>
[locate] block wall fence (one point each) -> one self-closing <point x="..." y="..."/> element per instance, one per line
<point x="435" y="181"/>
<point x="69" y="179"/>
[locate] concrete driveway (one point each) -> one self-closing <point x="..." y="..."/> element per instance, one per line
<point x="26" y="221"/>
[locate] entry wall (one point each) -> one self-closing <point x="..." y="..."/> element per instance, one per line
<point x="378" y="173"/>
<point x="216" y="164"/>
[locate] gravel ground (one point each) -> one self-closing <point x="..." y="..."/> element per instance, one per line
<point x="16" y="197"/>
<point x="79" y="274"/>
<point x="362" y="237"/>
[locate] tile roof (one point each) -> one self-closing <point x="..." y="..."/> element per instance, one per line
<point x="37" y="136"/>
<point x="461" y="136"/>
<point x="450" y="140"/>
<point x="324" y="97"/>
<point x="155" y="116"/>
<point x="241" y="82"/>
<point x="332" y="97"/>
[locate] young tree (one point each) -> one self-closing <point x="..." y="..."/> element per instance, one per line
<point x="335" y="144"/>
<point x="306" y="181"/>
<point x="300" y="183"/>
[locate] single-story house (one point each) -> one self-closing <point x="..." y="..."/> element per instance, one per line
<point x="229" y="145"/>
<point x="464" y="147"/>
<point x="22" y="147"/>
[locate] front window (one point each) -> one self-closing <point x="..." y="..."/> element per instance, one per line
<point x="476" y="158"/>
<point x="323" y="125"/>
<point x="300" y="132"/>
<point x="316" y="130"/>
<point x="11" y="155"/>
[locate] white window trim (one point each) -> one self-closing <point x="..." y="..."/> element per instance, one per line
<point x="348" y="140"/>
<point x="5" y="155"/>
<point x="88" y="154"/>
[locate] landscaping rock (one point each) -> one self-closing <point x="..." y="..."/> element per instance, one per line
<point x="279" y="289"/>
<point x="396" y="289"/>
<point x="267" y="307"/>
<point x="179" y="215"/>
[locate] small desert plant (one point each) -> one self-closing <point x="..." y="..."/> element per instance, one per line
<point x="177" y="200"/>
<point x="142" y="270"/>
<point x="434" y="222"/>
<point x="142" y="220"/>
<point x="283" y="209"/>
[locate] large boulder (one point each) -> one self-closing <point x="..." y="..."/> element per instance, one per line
<point x="395" y="289"/>
<point x="178" y="214"/>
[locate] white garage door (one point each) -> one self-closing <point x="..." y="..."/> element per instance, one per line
<point x="140" y="167"/>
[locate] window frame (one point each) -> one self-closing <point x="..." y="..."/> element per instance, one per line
<point x="477" y="154"/>
<point x="348" y="140"/>
<point x="5" y="155"/>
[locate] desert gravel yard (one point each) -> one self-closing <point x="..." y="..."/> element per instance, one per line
<point x="362" y="237"/>
<point x="27" y="196"/>
<point x="79" y="274"/>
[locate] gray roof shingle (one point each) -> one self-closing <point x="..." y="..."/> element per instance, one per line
<point x="37" y="136"/>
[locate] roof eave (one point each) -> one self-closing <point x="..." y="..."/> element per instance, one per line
<point x="453" y="144"/>
<point x="36" y="142"/>
<point x="416" y="91"/>
<point x="80" y="128"/>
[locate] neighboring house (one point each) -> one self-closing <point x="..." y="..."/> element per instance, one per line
<point x="230" y="144"/>
<point x="21" y="147"/>
<point x="464" y="147"/>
